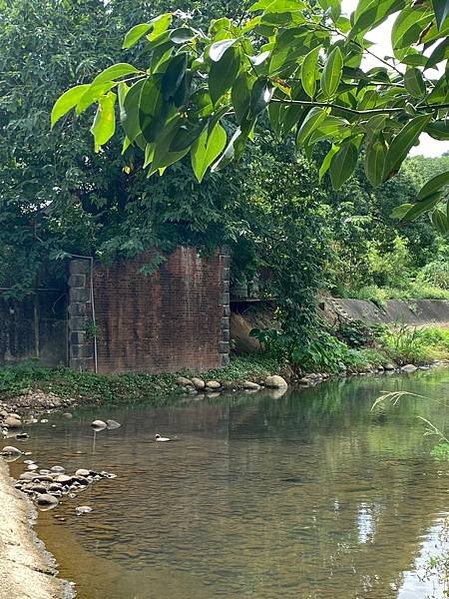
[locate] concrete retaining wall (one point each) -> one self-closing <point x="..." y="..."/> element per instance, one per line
<point x="411" y="312"/>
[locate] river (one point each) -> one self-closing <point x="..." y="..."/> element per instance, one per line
<point x="310" y="495"/>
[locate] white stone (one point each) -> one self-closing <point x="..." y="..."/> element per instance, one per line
<point x="199" y="384"/>
<point x="276" y="382"/>
<point x="408" y="368"/>
<point x="213" y="385"/>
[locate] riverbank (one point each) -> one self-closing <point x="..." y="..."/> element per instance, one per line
<point x="29" y="390"/>
<point x="27" y="571"/>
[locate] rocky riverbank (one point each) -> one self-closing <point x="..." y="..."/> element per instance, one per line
<point x="27" y="571"/>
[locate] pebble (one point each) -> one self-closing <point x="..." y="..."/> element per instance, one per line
<point x="112" y="424"/>
<point x="251" y="386"/>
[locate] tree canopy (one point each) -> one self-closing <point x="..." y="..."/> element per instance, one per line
<point x="293" y="65"/>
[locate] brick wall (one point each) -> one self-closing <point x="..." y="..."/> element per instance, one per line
<point x="176" y="318"/>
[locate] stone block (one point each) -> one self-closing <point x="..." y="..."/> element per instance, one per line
<point x="223" y="347"/>
<point x="225" y="335"/>
<point x="77" y="280"/>
<point x="79" y="267"/>
<point x="77" y="309"/>
<point x="224" y="323"/>
<point x="226" y="311"/>
<point x="77" y="338"/>
<point x="225" y="298"/>
<point x="78" y="323"/>
<point x="225" y="285"/>
<point x="79" y="295"/>
<point x="225" y="360"/>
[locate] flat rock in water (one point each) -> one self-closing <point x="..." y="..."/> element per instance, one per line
<point x="112" y="424"/>
<point x="10" y="450"/>
<point x="82" y="510"/>
<point x="12" y="422"/>
<point x="389" y="366"/>
<point x="408" y="368"/>
<point x="82" y="472"/>
<point x="276" y="382"/>
<point x="58" y="469"/>
<point x="45" y="499"/>
<point x="250" y="385"/>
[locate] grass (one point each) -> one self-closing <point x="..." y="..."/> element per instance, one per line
<point x="115" y="388"/>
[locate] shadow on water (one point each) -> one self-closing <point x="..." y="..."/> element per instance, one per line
<point x="306" y="495"/>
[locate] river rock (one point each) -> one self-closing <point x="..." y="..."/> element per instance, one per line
<point x="54" y="487"/>
<point x="63" y="479"/>
<point x="388" y="366"/>
<point x="21" y="436"/>
<point x="409" y="368"/>
<point x="199" y="384"/>
<point x="99" y="425"/>
<point x="32" y="467"/>
<point x="9" y="450"/>
<point x="67" y="415"/>
<point x="112" y="424"/>
<point x="250" y="385"/>
<point x="213" y="385"/>
<point x="276" y="382"/>
<point x="184" y="382"/>
<point x="26" y="476"/>
<point x="82" y="510"/>
<point x="58" y="469"/>
<point x="46" y="500"/>
<point x="82" y="472"/>
<point x="12" y="422"/>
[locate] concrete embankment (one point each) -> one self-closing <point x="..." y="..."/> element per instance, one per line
<point x="26" y="569"/>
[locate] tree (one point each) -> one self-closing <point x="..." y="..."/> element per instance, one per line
<point x="296" y="65"/>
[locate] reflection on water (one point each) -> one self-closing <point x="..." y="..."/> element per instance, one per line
<point x="310" y="495"/>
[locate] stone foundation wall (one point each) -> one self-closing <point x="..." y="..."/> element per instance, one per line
<point x="176" y="318"/>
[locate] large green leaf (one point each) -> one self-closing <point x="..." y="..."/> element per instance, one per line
<point x="343" y="164"/>
<point x="310" y="72"/>
<point x="408" y="28"/>
<point x="206" y="150"/>
<point x="261" y="95"/>
<point x="370" y="13"/>
<point x="281" y="6"/>
<point x="217" y="49"/>
<point x="312" y="121"/>
<point x="134" y="34"/>
<point x="67" y="101"/>
<point x="129" y="114"/>
<point x="414" y="83"/>
<point x="153" y="109"/>
<point x="103" y="127"/>
<point x="435" y="184"/>
<point x="327" y="161"/>
<point x="174" y="75"/>
<point x="441" y="10"/>
<point x="223" y="74"/>
<point x="93" y="93"/>
<point x="403" y="143"/>
<point x="331" y="75"/>
<point x="440" y="222"/>
<point x="421" y="208"/>
<point x="116" y="71"/>
<point x="375" y="161"/>
<point x="241" y="95"/>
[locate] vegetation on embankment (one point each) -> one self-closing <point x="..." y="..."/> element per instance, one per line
<point x="354" y="348"/>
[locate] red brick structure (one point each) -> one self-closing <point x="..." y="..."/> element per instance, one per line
<point x="176" y="318"/>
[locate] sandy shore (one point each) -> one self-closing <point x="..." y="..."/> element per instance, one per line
<point x="26" y="569"/>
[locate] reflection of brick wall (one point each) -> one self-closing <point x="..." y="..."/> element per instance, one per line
<point x="176" y="318"/>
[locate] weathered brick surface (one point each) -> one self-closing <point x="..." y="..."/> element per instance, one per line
<point x="165" y="321"/>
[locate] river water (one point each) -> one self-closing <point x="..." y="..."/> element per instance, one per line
<point x="308" y="495"/>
